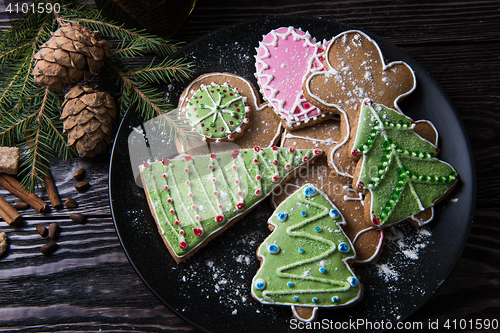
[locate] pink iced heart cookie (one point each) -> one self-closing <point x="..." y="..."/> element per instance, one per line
<point x="284" y="58"/>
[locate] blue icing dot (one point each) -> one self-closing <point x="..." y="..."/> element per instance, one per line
<point x="343" y="247"/>
<point x="335" y="299"/>
<point x="260" y="284"/>
<point x="303" y="213"/>
<point x="282" y="216"/>
<point x="318" y="229"/>
<point x="273" y="249"/>
<point x="309" y="191"/>
<point x="322" y="270"/>
<point x="289" y="284"/>
<point x="301" y="250"/>
<point x="295" y="298"/>
<point x="353" y="281"/>
<point x="334" y="214"/>
<point x="315" y="299"/>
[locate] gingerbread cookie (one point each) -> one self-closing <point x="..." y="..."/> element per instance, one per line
<point x="398" y="167"/>
<point x="256" y="124"/>
<point x="367" y="240"/>
<point x="305" y="260"/>
<point x="195" y="198"/>
<point x="284" y="58"/>
<point x="355" y="69"/>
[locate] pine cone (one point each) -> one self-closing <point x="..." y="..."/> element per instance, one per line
<point x="89" y="116"/>
<point x="73" y="53"/>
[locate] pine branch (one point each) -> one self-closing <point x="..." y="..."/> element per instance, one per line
<point x="166" y="71"/>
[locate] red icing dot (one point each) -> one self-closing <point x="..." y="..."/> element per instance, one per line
<point x="360" y="185"/>
<point x="219" y="218"/>
<point x="207" y="129"/>
<point x="145" y="164"/>
<point x="186" y="170"/>
<point x="240" y="193"/>
<point x="213" y="156"/>
<point x="215" y="131"/>
<point x="165" y="187"/>
<point x="182" y="245"/>
<point x="256" y="149"/>
<point x="236" y="104"/>
<point x="193" y="207"/>
<point x="176" y="222"/>
<point x="230" y="94"/>
<point x="256" y="161"/>
<point x="274" y="148"/>
<point x="236" y="117"/>
<point x="234" y="167"/>
<point x="355" y="152"/>
<point x="230" y="137"/>
<point x="210" y="166"/>
<point x="181" y="232"/>
<point x="197" y="217"/>
<point x="307" y="105"/>
<point x="165" y="161"/>
<point x="187" y="182"/>
<point x="376" y="220"/>
<point x="231" y="122"/>
<point x="202" y="125"/>
<point x="276" y="178"/>
<point x="164" y="175"/>
<point x="236" y="181"/>
<point x="169" y="200"/>
<point x="288" y="166"/>
<point x="258" y="177"/>
<point x="190" y="195"/>
<point x="213" y="179"/>
<point x="304" y="159"/>
<point x="437" y="150"/>
<point x="240" y="206"/>
<point x="235" y="153"/>
<point x="275" y="162"/>
<point x="171" y="211"/>
<point x="238" y="109"/>
<point x="258" y="192"/>
<point x="316" y="152"/>
<point x="215" y="192"/>
<point x="291" y="149"/>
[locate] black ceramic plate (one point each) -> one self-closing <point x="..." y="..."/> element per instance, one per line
<point x="211" y="290"/>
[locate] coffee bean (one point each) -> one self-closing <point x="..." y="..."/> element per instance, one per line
<point x="42" y="231"/>
<point x="79" y="174"/>
<point x="70" y="203"/>
<point x="54" y="230"/>
<point x="21" y="205"/>
<point x="78" y="218"/>
<point x="82" y="186"/>
<point x="48" y="248"/>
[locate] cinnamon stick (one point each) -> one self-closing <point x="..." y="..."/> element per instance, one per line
<point x="11" y="184"/>
<point x="9" y="213"/>
<point x="50" y="187"/>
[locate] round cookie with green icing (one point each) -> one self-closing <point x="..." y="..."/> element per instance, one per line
<point x="305" y="260"/>
<point x="218" y="112"/>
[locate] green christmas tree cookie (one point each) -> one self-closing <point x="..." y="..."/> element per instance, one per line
<point x="218" y="112"/>
<point x="399" y="167"/>
<point x="193" y="198"/>
<point x="304" y="260"/>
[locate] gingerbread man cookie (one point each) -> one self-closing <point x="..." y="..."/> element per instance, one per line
<point x="355" y="69"/>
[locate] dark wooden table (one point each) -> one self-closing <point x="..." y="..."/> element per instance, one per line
<point x="88" y="283"/>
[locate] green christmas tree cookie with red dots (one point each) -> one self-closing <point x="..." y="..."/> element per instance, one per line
<point x="218" y="112"/>
<point x="194" y="198"/>
<point x="398" y="167"/>
<point x="304" y="262"/>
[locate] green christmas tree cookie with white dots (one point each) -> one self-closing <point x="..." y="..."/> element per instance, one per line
<point x="399" y="167"/>
<point x="218" y="112"/>
<point x="304" y="260"/>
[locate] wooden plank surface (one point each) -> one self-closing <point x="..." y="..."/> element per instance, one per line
<point x="88" y="283"/>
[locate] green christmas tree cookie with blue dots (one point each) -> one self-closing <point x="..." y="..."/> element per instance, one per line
<point x="304" y="262"/>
